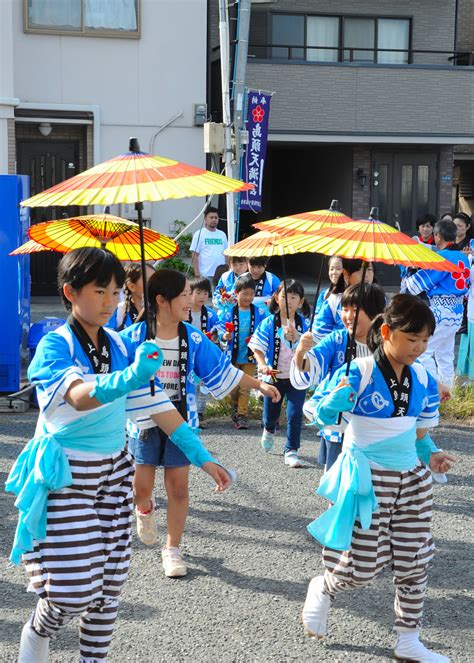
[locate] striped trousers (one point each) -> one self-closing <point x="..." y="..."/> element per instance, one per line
<point x="79" y="569"/>
<point x="400" y="535"/>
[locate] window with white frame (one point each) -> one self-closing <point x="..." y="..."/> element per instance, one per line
<point x="89" y="17"/>
<point x="321" y="38"/>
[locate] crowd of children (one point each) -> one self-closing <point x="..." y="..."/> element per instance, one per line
<point x="375" y="390"/>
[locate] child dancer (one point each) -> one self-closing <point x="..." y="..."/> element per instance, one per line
<point x="273" y="345"/>
<point x="205" y="319"/>
<point x="188" y="356"/>
<point x="225" y="285"/>
<point x="74" y="478"/>
<point x="266" y="283"/>
<point x="329" y="317"/>
<point x="127" y="311"/>
<point x="334" y="273"/>
<point x="381" y="492"/>
<point x="312" y="364"/>
<point x="244" y="318"/>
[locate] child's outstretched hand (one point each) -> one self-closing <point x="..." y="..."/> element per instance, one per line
<point x="270" y="391"/>
<point x="218" y="473"/>
<point x="227" y="336"/>
<point x="441" y="462"/>
<point x="290" y="333"/>
<point x="444" y="392"/>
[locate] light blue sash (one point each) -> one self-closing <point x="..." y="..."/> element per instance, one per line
<point x="43" y="466"/>
<point x="348" y="485"/>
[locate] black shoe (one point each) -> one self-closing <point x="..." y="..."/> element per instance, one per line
<point x="242" y="423"/>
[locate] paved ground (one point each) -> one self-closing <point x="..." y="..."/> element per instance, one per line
<point x="250" y="561"/>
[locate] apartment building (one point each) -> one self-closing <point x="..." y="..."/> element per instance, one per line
<point x="372" y="105"/>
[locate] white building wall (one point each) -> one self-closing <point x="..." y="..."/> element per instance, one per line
<point x="138" y="84"/>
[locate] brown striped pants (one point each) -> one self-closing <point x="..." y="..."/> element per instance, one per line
<point x="79" y="569"/>
<point x="400" y="534"/>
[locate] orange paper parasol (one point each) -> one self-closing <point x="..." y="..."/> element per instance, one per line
<point x="305" y="221"/>
<point x="29" y="247"/>
<point x="119" y="236"/>
<point x="263" y="243"/>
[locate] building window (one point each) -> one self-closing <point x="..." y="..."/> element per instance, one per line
<point x="115" y="18"/>
<point x="341" y="38"/>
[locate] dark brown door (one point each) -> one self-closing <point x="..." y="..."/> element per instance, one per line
<point x="47" y="162"/>
<point x="404" y="187"/>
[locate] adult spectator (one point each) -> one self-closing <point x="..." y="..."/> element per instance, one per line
<point x="463" y="225"/>
<point x="424" y="226"/>
<point x="208" y="246"/>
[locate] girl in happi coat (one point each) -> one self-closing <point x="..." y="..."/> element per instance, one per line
<point x="380" y="490"/>
<point x="128" y="311"/>
<point x="273" y="344"/>
<point x="334" y="274"/>
<point x="312" y="364"/>
<point x="329" y="316"/>
<point x="73" y="480"/>
<point x="189" y="356"/>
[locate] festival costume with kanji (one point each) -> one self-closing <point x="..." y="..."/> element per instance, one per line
<point x="199" y="360"/>
<point x="207" y="323"/>
<point x="380" y="491"/>
<point x="445" y="292"/>
<point x="244" y="323"/>
<point x="322" y="362"/>
<point x="269" y="339"/>
<point x="73" y="483"/>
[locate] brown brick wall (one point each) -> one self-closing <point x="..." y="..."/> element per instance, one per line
<point x="445" y="187"/>
<point x="361" y="197"/>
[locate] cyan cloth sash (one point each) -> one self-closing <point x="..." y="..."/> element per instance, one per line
<point x="43" y="466"/>
<point x="348" y="485"/>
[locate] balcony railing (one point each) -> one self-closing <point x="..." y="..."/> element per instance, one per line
<point x="357" y="55"/>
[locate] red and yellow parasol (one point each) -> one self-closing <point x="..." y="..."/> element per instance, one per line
<point x="305" y="221"/>
<point x="369" y="240"/>
<point x="29" y="247"/>
<point x="118" y="235"/>
<point x="264" y="243"/>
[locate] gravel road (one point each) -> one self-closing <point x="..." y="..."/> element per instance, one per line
<point x="250" y="560"/>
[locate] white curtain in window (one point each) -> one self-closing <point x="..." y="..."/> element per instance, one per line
<point x="359" y="33"/>
<point x="393" y="33"/>
<point x="322" y="31"/>
<point x="110" y="14"/>
<point x="54" y="13"/>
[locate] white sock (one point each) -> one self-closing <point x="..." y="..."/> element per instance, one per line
<point x="33" y="647"/>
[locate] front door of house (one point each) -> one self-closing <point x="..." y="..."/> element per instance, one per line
<point x="47" y="162"/>
<point x="403" y="188"/>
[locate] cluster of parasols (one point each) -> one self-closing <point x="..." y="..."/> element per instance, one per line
<point x="136" y="177"/>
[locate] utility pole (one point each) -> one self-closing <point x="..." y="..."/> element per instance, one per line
<point x="228" y="154"/>
<point x="238" y="89"/>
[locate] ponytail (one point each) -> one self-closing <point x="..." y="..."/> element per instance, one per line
<point x="374" y="335"/>
<point x="405" y="313"/>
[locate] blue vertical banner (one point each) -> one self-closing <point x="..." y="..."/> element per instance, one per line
<point x="258" y="114"/>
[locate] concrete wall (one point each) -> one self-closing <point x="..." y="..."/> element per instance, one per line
<point x="139" y="84"/>
<point x="465" y="36"/>
<point x="339" y="99"/>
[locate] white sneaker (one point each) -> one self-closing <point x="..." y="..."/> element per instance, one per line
<point x="409" y="648"/>
<point x="439" y="477"/>
<point x="293" y="460"/>
<point x="316" y="609"/>
<point x="147" y="528"/>
<point x="173" y="563"/>
<point x="268" y="440"/>
<point x="33" y="647"/>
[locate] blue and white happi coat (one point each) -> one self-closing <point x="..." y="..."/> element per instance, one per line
<point x="268" y="330"/>
<point x="204" y="362"/>
<point x="328" y="318"/>
<point x="260" y="313"/>
<point x="445" y="290"/>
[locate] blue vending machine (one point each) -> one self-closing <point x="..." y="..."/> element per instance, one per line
<point x="15" y="283"/>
